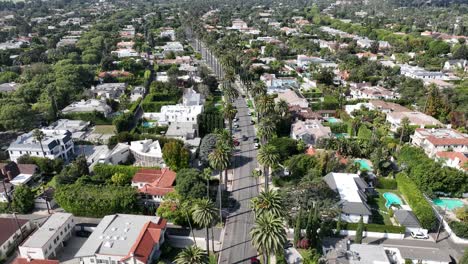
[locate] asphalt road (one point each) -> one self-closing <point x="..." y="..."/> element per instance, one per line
<point x="237" y="246"/>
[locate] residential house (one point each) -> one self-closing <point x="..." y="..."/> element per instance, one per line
<point x="452" y="65"/>
<point x="78" y="128"/>
<point x="109" y="90"/>
<point x="11" y="234"/>
<point x="126" y="44"/>
<point x="123" y="238"/>
<point x="409" y="220"/>
<point x="174" y="46"/>
<point x="6" y="191"/>
<point x="167" y="32"/>
<point x="154" y="184"/>
<point x="185" y="131"/>
<point x="238" y="24"/>
<point x="67" y="41"/>
<point x="292" y="98"/>
<point x="440" y="140"/>
<point x="353" y="194"/>
<point x="452" y="159"/>
<point x="125" y="53"/>
<point x="9" y="87"/>
<point x="128" y="32"/>
<point x="18" y="174"/>
<point x="278" y="85"/>
<point x="88" y="106"/>
<point x="137" y="92"/>
<point x="370" y="56"/>
<point x="147" y="153"/>
<point x="310" y="131"/>
<point x="190" y="97"/>
<point x="420" y="73"/>
<point x="303" y="113"/>
<point x="19" y="260"/>
<point x="341" y="251"/>
<point x="55" y="144"/>
<point x="175" y="113"/>
<point x="49" y="238"/>
<point x="415" y="119"/>
<point x="372" y="92"/>
<point x="305" y="61"/>
<point x="386" y="107"/>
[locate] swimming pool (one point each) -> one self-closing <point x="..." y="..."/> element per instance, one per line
<point x="333" y="120"/>
<point x="363" y="164"/>
<point x="391" y="199"/>
<point x="148" y="124"/>
<point x="341" y="135"/>
<point x="450" y="204"/>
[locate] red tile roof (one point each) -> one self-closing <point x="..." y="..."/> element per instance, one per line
<point x="447" y="141"/>
<point x="450" y="155"/>
<point x="149" y="236"/>
<point x="8" y="227"/>
<point x="157" y="182"/>
<point x="34" y="261"/>
<point x="310" y="151"/>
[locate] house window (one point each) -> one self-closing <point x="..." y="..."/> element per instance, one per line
<point x="91" y="260"/>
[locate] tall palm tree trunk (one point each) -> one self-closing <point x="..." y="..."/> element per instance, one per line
<point x="42" y="148"/>
<point x="226" y="177"/>
<point x="219" y="197"/>
<point x="212" y="238"/>
<point x="208" y="240"/>
<point x="266" y="172"/>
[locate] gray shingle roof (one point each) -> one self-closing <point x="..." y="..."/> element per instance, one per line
<point x="407" y="218"/>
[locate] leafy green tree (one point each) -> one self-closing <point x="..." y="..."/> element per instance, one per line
<point x="359" y="231"/>
<point x="23" y="199"/>
<point x="229" y="112"/>
<point x="204" y="214"/>
<point x="287" y="147"/>
<point x="192" y="255"/>
<point x="190" y="184"/>
<point x="175" y="155"/>
<point x="120" y="179"/>
<point x="207" y="145"/>
<point x="268" y="235"/>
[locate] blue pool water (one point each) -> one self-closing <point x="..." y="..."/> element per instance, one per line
<point x="333" y="120"/>
<point x="450" y="204"/>
<point x="148" y="124"/>
<point x="363" y="164"/>
<point x="391" y="199"/>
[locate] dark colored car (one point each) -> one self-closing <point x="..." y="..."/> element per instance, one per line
<point x="252" y="122"/>
<point x="256" y="140"/>
<point x="254" y="260"/>
<point x="236" y="142"/>
<point x="245" y="138"/>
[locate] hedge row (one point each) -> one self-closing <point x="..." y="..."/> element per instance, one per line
<point x="95" y="117"/>
<point x="375" y="228"/>
<point x="386" y="183"/>
<point x="134" y="106"/>
<point x="104" y="171"/>
<point x="421" y="207"/>
<point x="459" y="228"/>
<point x="155" y="106"/>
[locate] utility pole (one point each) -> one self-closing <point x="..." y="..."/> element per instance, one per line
<point x="440" y="224"/>
<point x="19" y="227"/>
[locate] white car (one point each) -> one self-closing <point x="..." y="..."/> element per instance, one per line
<point x="256" y="145"/>
<point x="250" y="113"/>
<point x="419" y="235"/>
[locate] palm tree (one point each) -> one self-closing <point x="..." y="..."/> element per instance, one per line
<point x="282" y="108"/>
<point x="259" y="88"/>
<point x="39" y="136"/>
<point x="230" y="92"/>
<point x="192" y="255"/>
<point x="204" y="214"/>
<point x="224" y="137"/>
<point x="219" y="160"/>
<point x="264" y="104"/>
<point x="269" y="201"/>
<point x="266" y="129"/>
<point x="229" y="112"/>
<point x="207" y="175"/>
<point x="268" y="235"/>
<point x="268" y="156"/>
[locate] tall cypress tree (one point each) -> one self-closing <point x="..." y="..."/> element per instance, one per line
<point x="297" y="229"/>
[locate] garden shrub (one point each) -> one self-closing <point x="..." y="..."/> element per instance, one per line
<point x="459" y="228"/>
<point x="386" y="183"/>
<point x="418" y="203"/>
<point x="375" y="228"/>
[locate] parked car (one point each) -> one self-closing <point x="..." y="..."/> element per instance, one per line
<point x="419" y="235"/>
<point x="236" y="142"/>
<point x="252" y="122"/>
<point x="245" y="138"/>
<point x="235" y="119"/>
<point x="256" y="140"/>
<point x="250" y="113"/>
<point x="254" y="260"/>
<point x="257" y="145"/>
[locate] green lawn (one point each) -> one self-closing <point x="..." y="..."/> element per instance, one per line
<point x="249" y="103"/>
<point x="379" y="211"/>
<point x="104" y="129"/>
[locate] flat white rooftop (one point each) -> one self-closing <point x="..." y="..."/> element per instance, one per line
<point x="347" y="187"/>
<point x="39" y="238"/>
